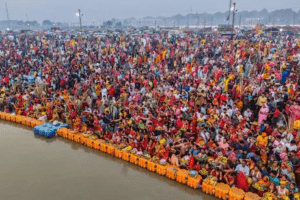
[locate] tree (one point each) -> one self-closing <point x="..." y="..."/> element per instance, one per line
<point x="34" y="23"/>
<point x="47" y="23"/>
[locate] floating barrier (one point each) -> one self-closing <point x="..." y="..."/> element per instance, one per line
<point x="48" y="129"/>
<point x="194" y="182"/>
<point x="236" y="194"/>
<point x="143" y="162"/>
<point x="221" y="190"/>
<point x="252" y="196"/>
<point x="111" y="150"/>
<point x="171" y="172"/>
<point x="97" y="144"/>
<point x="208" y="189"/>
<point x="125" y="156"/>
<point x="182" y="176"/>
<point x="118" y="153"/>
<point x="28" y="121"/>
<point x="161" y="169"/>
<point x="151" y="166"/>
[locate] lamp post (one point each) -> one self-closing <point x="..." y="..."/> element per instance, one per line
<point x="79" y="15"/>
<point x="233" y="16"/>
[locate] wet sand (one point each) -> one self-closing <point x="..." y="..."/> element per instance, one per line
<point x="35" y="168"/>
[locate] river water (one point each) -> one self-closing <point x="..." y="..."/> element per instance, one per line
<point x="35" y="168"/>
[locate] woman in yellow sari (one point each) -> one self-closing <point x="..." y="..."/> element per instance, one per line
<point x="262" y="140"/>
<point x="264" y="183"/>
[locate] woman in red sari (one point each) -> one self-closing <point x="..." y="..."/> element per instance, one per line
<point x="144" y="143"/>
<point x="241" y="182"/>
<point x="150" y="147"/>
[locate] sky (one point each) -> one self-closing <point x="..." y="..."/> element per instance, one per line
<point x="100" y="10"/>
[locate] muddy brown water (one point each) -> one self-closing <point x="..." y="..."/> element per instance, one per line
<point x="35" y="168"/>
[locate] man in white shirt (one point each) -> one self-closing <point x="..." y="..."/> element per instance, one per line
<point x="292" y="146"/>
<point x="243" y="168"/>
<point x="247" y="113"/>
<point x="229" y="111"/>
<point x="104" y="92"/>
<point x="200" y="116"/>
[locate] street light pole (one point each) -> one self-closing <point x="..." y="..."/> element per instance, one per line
<point x="233" y="16"/>
<point x="79" y="15"/>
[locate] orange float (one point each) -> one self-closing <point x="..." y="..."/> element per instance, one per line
<point x="77" y="137"/>
<point x="236" y="194"/>
<point x="118" y="153"/>
<point x="103" y="147"/>
<point x="90" y="142"/>
<point x="209" y="189"/>
<point x="33" y="123"/>
<point x="40" y="122"/>
<point x="182" y="176"/>
<point x="65" y="133"/>
<point x="134" y="159"/>
<point x="7" y="117"/>
<point x="171" y="172"/>
<point x="252" y="196"/>
<point x="126" y="156"/>
<point x="4" y="116"/>
<point x="222" y="190"/>
<point x="60" y="131"/>
<point x="110" y="150"/>
<point x="193" y="182"/>
<point x="71" y="135"/>
<point x="28" y="121"/>
<point x="18" y="118"/>
<point x="143" y="162"/>
<point x="23" y="120"/>
<point x="161" y="169"/>
<point x="83" y="139"/>
<point x="151" y="166"/>
<point x="97" y="144"/>
<point x="13" y="118"/>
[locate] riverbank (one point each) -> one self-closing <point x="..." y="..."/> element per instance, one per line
<point x="39" y="168"/>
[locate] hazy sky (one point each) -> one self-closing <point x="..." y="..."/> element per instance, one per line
<point x="65" y="10"/>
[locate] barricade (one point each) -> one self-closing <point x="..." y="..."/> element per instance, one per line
<point x="222" y="190"/>
<point x="151" y="166"/>
<point x="161" y="169"/>
<point x="71" y="135"/>
<point x="118" y="153"/>
<point x="182" y="176"/>
<point x="143" y="162"/>
<point x="13" y="118"/>
<point x="252" y="196"/>
<point x="209" y="189"/>
<point x="171" y="172"/>
<point x="90" y="142"/>
<point x="103" y="147"/>
<point x="83" y="139"/>
<point x="77" y="137"/>
<point x="134" y="159"/>
<point x="7" y="117"/>
<point x="126" y="156"/>
<point x="236" y="194"/>
<point x="97" y="144"/>
<point x="65" y="133"/>
<point x="110" y="150"/>
<point x="193" y="182"/>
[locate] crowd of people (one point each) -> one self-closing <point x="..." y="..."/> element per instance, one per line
<point x="223" y="108"/>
